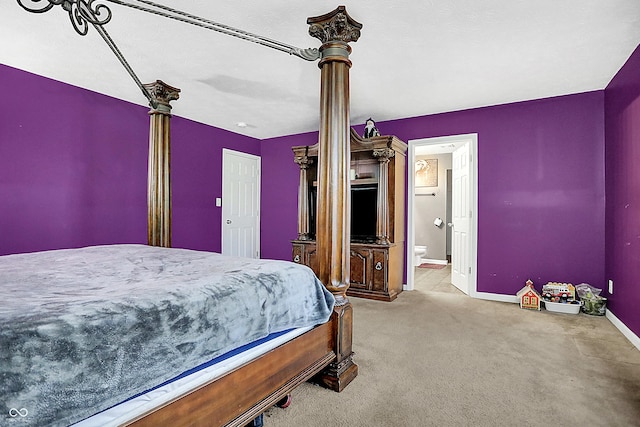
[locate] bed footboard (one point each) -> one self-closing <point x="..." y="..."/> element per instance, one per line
<point x="241" y="395"/>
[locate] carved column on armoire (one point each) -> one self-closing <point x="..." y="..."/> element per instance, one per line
<point x="159" y="183"/>
<point x="303" y="197"/>
<point x="382" y="225"/>
<point x="335" y="30"/>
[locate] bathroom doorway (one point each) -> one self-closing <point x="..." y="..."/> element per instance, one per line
<point x="431" y="192"/>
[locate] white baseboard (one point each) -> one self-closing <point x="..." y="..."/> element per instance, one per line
<point x="628" y="333"/>
<point x="495" y="297"/>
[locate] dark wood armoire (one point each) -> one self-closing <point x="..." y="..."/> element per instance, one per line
<point x="376" y="225"/>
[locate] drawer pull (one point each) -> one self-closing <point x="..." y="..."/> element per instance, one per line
<point x="378" y="266"/>
<point x="296" y="258"/>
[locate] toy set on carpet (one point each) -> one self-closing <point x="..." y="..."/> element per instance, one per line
<point x="561" y="298"/>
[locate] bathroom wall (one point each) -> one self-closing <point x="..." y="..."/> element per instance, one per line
<point x="428" y="207"/>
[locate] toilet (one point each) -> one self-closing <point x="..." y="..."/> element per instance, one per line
<point x="419" y="253"/>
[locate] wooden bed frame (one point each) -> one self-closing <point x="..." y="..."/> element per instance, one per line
<point x="242" y="395"/>
<point x="324" y="354"/>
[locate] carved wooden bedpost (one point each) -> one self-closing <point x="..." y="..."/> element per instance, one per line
<point x="159" y="184"/>
<point x="335" y="30"/>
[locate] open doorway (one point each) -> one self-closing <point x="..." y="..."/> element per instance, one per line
<point x="462" y="226"/>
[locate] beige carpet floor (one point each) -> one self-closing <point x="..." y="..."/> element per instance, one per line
<point x="435" y="357"/>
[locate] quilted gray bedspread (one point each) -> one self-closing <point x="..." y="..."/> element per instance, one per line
<point x="83" y="329"/>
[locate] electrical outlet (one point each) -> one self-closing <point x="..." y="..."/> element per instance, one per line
<point x="610" y="287"/>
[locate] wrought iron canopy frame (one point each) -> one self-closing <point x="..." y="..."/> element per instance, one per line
<point x="84" y="13"/>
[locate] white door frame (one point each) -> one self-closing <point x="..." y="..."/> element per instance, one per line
<point x="225" y="187"/>
<point x="445" y="144"/>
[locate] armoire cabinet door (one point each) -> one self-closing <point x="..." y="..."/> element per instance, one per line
<point x="360" y="267"/>
<point x="298" y="254"/>
<point x="312" y="259"/>
<point x="380" y="264"/>
<point x="306" y="254"/>
<point x="370" y="273"/>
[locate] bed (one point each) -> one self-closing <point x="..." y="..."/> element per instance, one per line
<point x="75" y="324"/>
<point x="254" y="378"/>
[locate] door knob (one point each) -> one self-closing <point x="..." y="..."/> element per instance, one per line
<point x="228" y="221"/>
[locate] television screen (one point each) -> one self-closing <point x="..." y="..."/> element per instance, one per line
<point x="363" y="213"/>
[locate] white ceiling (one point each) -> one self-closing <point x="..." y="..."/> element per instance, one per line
<point x="413" y="57"/>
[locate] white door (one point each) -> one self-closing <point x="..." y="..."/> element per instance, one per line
<point x="461" y="219"/>
<point x="240" y="204"/>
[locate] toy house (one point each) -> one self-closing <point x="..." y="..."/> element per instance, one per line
<point x="528" y="297"/>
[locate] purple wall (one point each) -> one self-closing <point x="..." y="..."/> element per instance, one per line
<point x="73" y="169"/>
<point x="196" y="175"/>
<point x="280" y="179"/>
<point x="65" y="156"/>
<point x="622" y="119"/>
<point x="541" y="188"/>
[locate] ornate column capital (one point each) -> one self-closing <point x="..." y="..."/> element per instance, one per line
<point x="335" y="30"/>
<point x="303" y="161"/>
<point x="384" y="154"/>
<point x="161" y="94"/>
<point x="335" y="26"/>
